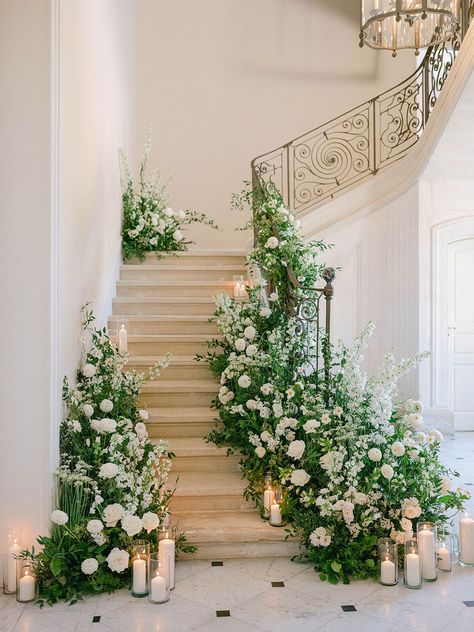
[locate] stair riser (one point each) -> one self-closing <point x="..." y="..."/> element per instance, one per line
<point x="232" y="550"/>
<point x="177" y="430"/>
<point x="162" y="308"/>
<point x="172" y="327"/>
<point x="177" y="372"/>
<point x="162" y="347"/>
<point x="177" y="399"/>
<point x="209" y="503"/>
<point x="140" y="274"/>
<point x="205" y="463"/>
<point x="175" y="291"/>
<point x="187" y="260"/>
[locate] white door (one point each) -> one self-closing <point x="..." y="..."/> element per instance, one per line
<point x="461" y="332"/>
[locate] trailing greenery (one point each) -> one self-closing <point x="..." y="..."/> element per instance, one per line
<point x="149" y="224"/>
<point x="355" y="462"/>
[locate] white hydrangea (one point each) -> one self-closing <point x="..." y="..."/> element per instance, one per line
<point x="106" y="405"/>
<point x="251" y="350"/>
<point x="250" y="332"/>
<point x="374" y="454"/>
<point x="108" y="470"/>
<point x="398" y="449"/>
<point x="244" y="381"/>
<point x="88" y="410"/>
<point x="88" y="370"/>
<point x="240" y="344"/>
<point x="387" y="471"/>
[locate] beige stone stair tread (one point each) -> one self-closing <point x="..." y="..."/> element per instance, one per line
<point x="180" y="386"/>
<point x="164" y="299"/>
<point x="192" y="267"/>
<point x="227" y="526"/>
<point x="170" y="337"/>
<point x="184" y="413"/>
<point x="199" y="252"/>
<point x="207" y="483"/>
<point x="181" y="360"/>
<point x="179" y="282"/>
<point x="194" y="446"/>
<point x="165" y="318"/>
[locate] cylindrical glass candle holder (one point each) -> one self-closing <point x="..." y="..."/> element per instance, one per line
<point x="466" y="539"/>
<point x="139" y="561"/>
<point x="268" y="496"/>
<point x="427" y="541"/>
<point x="121" y="335"/>
<point x="166" y="554"/>
<point x="158" y="589"/>
<point x="239" y="286"/>
<point x="445" y="549"/>
<point x="12" y="550"/>
<point x="276" y="519"/>
<point x="26" y="584"/>
<point x="388" y="561"/>
<point x="412" y="565"/>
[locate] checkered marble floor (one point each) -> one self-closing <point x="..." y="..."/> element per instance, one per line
<point x="271" y="595"/>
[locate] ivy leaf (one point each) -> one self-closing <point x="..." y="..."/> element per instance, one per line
<point x="336" y="567"/>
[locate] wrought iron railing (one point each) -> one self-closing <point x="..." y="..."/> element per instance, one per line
<point x="337" y="155"/>
<point x="326" y="161"/>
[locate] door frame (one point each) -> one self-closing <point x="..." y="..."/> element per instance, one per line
<point x="443" y="235"/>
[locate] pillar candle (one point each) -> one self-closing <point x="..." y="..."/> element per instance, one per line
<point x="275" y="514"/>
<point x="412" y="568"/>
<point x="139" y="576"/>
<point x="387" y="572"/>
<point x="166" y="552"/>
<point x="444" y="559"/>
<point x="122" y="340"/>
<point x="13" y="551"/>
<point x="268" y="497"/>
<point x="426" y="547"/>
<point x="27" y="588"/>
<point x="466" y="540"/>
<point x="158" y="589"/>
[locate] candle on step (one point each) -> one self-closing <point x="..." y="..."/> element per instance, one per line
<point x="466" y="540"/>
<point x="268" y="496"/>
<point x="239" y="286"/>
<point x="122" y="339"/>
<point x="139" y="576"/>
<point x="427" y="550"/>
<point x="387" y="572"/>
<point x="166" y="553"/>
<point x="10" y="580"/>
<point x="275" y="515"/>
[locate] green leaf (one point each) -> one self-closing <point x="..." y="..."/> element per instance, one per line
<point x="56" y="566"/>
<point x="336" y="567"/>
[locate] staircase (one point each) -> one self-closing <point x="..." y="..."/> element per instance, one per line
<point x="168" y="303"/>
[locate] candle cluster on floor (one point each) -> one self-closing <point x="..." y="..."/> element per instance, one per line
<point x="19" y="576"/>
<point x="272" y="502"/>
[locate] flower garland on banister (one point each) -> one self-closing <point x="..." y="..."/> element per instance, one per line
<point x="352" y="459"/>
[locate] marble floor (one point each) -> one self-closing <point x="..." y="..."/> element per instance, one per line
<point x="271" y="595"/>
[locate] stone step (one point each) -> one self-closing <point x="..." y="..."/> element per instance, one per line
<point x="223" y="535"/>
<point x="177" y="344"/>
<point x="167" y="324"/>
<point x="208" y="491"/>
<point x="181" y="368"/>
<point x="203" y="289"/>
<point x="213" y="272"/>
<point x="181" y="422"/>
<point x="176" y="306"/>
<point x="194" y="454"/>
<point x="197" y="257"/>
<point x="170" y="393"/>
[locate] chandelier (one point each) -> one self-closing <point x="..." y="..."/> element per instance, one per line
<point x="396" y="24"/>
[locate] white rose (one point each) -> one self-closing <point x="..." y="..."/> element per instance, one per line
<point x="266" y="389"/>
<point x="240" y="344"/>
<point x="251" y="350"/>
<point x="250" y="332"/>
<point x="446" y="485"/>
<point x="327" y="461"/>
<point x="265" y="436"/>
<point x="88" y="410"/>
<point x="338" y="411"/>
<point x="108" y="470"/>
<point x="178" y="235"/>
<point x="411" y="508"/>
<point x="295" y="449"/>
<point x="290" y="393"/>
<point x="387" y="471"/>
<point x="406" y="525"/>
<point x="273" y="297"/>
<point x="398" y="449"/>
<point x="88" y="370"/>
<point x="141" y="430"/>
<point x="265" y="312"/>
<point x="106" y="405"/>
<point x="181" y="214"/>
<point x="360" y="498"/>
<point x="260" y="451"/>
<point x="113" y="513"/>
<point x="132" y="525"/>
<point x="310" y="426"/>
<point x="168" y="212"/>
<point x="244" y="381"/>
<point x="251" y="404"/>
<point x="415" y="420"/>
<point x="94" y="527"/>
<point x="117" y="560"/>
<point x="59" y="517"/>
<point x="143" y="414"/>
<point x="325" y="418"/>
<point x="99" y="539"/>
<point x="75" y="425"/>
<point x="299" y="477"/>
<point x="150" y="521"/>
<point x="374" y="454"/>
<point x="435" y="436"/>
<point x="89" y="566"/>
<point x="272" y="242"/>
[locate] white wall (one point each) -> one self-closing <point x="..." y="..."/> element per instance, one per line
<point x="97" y="66"/>
<point x="25" y="272"/>
<point x="224" y="81"/>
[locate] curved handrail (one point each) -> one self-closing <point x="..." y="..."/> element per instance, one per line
<point x="324" y="162"/>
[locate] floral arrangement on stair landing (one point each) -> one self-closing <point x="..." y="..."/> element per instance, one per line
<point x="110" y="481"/>
<point x="149" y="224"/>
<point x="351" y="458"/>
